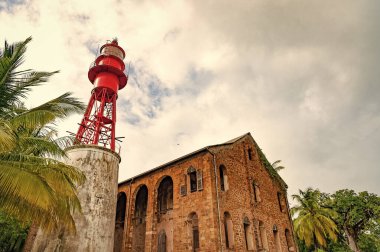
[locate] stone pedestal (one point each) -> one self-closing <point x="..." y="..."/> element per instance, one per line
<point x="98" y="196"/>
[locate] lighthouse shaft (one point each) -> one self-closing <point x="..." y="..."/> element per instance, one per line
<point x="98" y="124"/>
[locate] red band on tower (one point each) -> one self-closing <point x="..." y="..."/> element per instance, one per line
<point x="107" y="75"/>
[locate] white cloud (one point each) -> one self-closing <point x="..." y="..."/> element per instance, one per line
<point x="299" y="76"/>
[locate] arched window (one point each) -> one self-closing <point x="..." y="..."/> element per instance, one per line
<point x="277" y="241"/>
<point x="141" y="204"/>
<point x="194" y="230"/>
<point x="119" y="221"/>
<point x="228" y="230"/>
<point x="165" y="195"/>
<point x="139" y="219"/>
<point x="120" y="208"/>
<point x="162" y="241"/>
<point x="263" y="241"/>
<point x="248" y="233"/>
<point x="223" y="178"/>
<point x="289" y="240"/>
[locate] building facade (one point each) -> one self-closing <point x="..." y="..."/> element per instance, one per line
<point x="224" y="197"/>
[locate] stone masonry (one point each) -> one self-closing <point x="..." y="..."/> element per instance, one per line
<point x="95" y="228"/>
<point x="223" y="197"/>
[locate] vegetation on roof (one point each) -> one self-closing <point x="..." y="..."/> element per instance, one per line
<point x="273" y="173"/>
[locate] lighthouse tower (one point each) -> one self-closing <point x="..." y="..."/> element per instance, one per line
<point x="107" y="75"/>
<point x="94" y="153"/>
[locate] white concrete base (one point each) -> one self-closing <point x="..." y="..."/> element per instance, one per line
<point x="98" y="196"/>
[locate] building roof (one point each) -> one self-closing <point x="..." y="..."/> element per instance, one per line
<point x="191" y="154"/>
<point x="263" y="159"/>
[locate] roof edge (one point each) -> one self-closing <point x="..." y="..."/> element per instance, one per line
<point x="207" y="148"/>
<point x="174" y="161"/>
<point x="272" y="172"/>
<point x="268" y="166"/>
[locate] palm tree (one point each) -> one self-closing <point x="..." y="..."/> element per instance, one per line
<point x="34" y="184"/>
<point x="276" y="166"/>
<point x="312" y="222"/>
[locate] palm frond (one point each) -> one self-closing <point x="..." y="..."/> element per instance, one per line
<point x="38" y="146"/>
<point x="7" y="137"/>
<point x="276" y="166"/>
<point x="48" y="112"/>
<point x="15" y="85"/>
<point x="45" y="163"/>
<point x="11" y="57"/>
<point x="313" y="223"/>
<point x="34" y="188"/>
<point x="33" y="185"/>
<point x="276" y="162"/>
<point x="65" y="142"/>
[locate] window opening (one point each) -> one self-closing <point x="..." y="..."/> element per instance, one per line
<point x="196" y="237"/>
<point x="193" y="181"/>
<point x="139" y="219"/>
<point x="277" y="242"/>
<point x="247" y="234"/>
<point x="193" y="222"/>
<point x="199" y="180"/>
<point x="263" y="236"/>
<point x="250" y="154"/>
<point x="226" y="233"/>
<point x="256" y="192"/>
<point x="141" y="204"/>
<point x="162" y="241"/>
<point x="120" y="208"/>
<point x="193" y="178"/>
<point x="246" y="226"/>
<point x="279" y="196"/>
<point x="119" y="221"/>
<point x="289" y="241"/>
<point x="165" y="195"/>
<point x="221" y="176"/>
<point x="183" y="188"/>
<point x="228" y="227"/>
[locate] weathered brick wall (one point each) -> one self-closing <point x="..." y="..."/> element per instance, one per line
<point x="238" y="201"/>
<point x="199" y="202"/>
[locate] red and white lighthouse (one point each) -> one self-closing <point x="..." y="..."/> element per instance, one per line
<point x="107" y="75"/>
<point x="94" y="154"/>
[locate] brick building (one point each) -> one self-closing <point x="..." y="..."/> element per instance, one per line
<point x="224" y="197"/>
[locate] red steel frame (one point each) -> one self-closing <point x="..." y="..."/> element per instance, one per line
<point x="98" y="123"/>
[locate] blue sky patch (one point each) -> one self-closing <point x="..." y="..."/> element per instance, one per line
<point x="197" y="80"/>
<point x="93" y="47"/>
<point x="9" y="4"/>
<point x="126" y="112"/>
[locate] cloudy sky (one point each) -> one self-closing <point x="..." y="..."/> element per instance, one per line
<point x="301" y="76"/>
